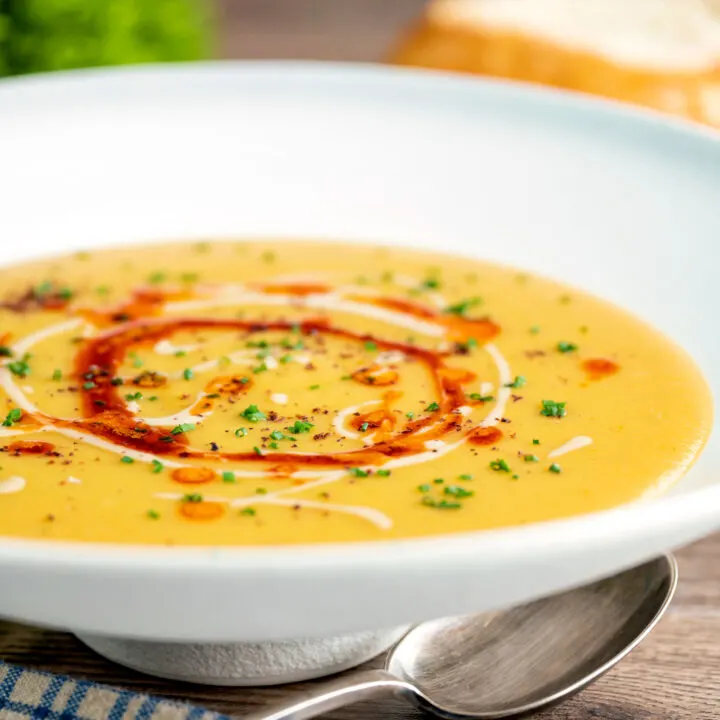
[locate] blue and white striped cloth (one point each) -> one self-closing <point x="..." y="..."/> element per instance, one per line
<point x="31" y="695"/>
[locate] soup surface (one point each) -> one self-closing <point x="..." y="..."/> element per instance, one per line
<point x="256" y="393"/>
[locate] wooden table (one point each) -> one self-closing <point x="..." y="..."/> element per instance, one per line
<point x="674" y="675"/>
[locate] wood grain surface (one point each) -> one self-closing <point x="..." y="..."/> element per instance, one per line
<point x="673" y="675"/>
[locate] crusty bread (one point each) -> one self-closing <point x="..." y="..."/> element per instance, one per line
<point x="664" y="54"/>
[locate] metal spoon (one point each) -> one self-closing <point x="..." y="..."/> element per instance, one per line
<point x="496" y="665"/>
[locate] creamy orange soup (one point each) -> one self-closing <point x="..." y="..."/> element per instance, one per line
<point x="256" y="393"/>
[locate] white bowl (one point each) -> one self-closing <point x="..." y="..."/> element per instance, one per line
<point x="620" y="202"/>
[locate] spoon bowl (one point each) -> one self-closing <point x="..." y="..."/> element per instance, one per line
<point x="506" y="663"/>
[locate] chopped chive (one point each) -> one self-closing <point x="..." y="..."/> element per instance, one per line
<point x="241" y="432"/>
<point x="248" y="511"/>
<point x="228" y="477"/>
<point x="299" y="426"/>
<point x="57" y="375"/>
<point x="253" y="414"/>
<point x="432" y="407"/>
<point x="465" y="476"/>
<point x="371" y="346"/>
<point x="499" y="466"/>
<point x="182" y="428"/>
<point x="463" y="306"/>
<point x="383" y="473"/>
<point x="20" y="368"/>
<point x="430" y="283"/>
<point x="536" y="441"/>
<point x="285" y="359"/>
<point x="410" y="415"/>
<point x="518" y="382"/>
<point x="424" y="488"/>
<point x="157" y="277"/>
<point x="192" y="498"/>
<point x="441" y="504"/>
<point x="153" y="514"/>
<point x="566" y="347"/>
<point x="188" y="374"/>
<point x="157" y="466"/>
<point x="358" y="472"/>
<point x="364" y="427"/>
<point x="555" y="468"/>
<point x="127" y="460"/>
<point x="481" y="398"/>
<point x="15" y="415"/>
<point x="314" y="387"/>
<point x="257" y="450"/>
<point x="550" y="408"/>
<point x="261" y="491"/>
<point x="531" y="458"/>
<point x="457" y="491"/>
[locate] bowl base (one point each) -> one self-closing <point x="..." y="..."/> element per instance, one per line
<point x="245" y="663"/>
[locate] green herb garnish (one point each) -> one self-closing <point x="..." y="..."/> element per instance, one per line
<point x="463" y="306"/>
<point x="518" y="382"/>
<point x="157" y="466"/>
<point x="182" y="428"/>
<point x="20" y="368"/>
<point x="441" y="504"/>
<point x="253" y="414"/>
<point x="457" y="491"/>
<point x="358" y="472"/>
<point x="550" y="408"/>
<point x="300" y="426"/>
<point x="566" y="347"/>
<point x="15" y="415"/>
<point x="127" y="460"/>
<point x="432" y="407"/>
<point x="187" y="374"/>
<point x="555" y="468"/>
<point x="499" y="466"/>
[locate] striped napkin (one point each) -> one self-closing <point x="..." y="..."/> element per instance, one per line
<point x="31" y="695"/>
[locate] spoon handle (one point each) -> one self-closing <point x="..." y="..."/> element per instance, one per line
<point x="332" y="694"/>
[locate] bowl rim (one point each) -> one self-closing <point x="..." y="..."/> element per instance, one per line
<point x="638" y="518"/>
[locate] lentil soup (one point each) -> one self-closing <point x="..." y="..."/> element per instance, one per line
<point x="255" y="393"/>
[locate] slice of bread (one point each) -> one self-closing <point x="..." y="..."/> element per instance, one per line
<point x="664" y="54"/>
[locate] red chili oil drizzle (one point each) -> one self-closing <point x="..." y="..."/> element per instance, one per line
<point x="106" y="413"/>
<point x="599" y="368"/>
<point x="138" y="323"/>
